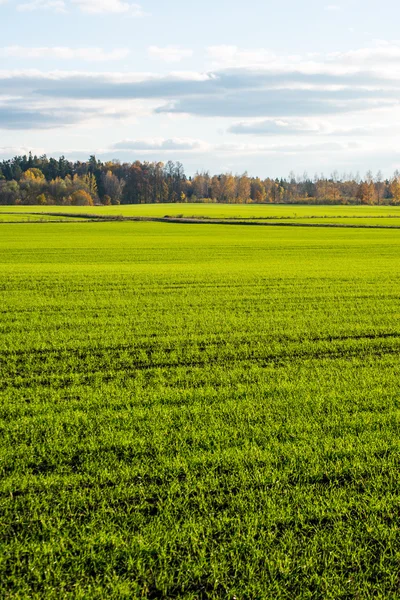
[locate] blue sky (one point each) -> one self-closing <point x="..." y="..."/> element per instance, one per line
<point x="258" y="86"/>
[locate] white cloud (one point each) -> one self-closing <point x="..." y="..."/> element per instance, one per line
<point x="278" y="127"/>
<point x="381" y="54"/>
<point x="170" y="54"/>
<point x="311" y="127"/>
<point x="111" y="7"/>
<point x="162" y="145"/>
<point x="382" y="57"/>
<point x="234" y="57"/>
<point x="249" y="149"/>
<point x="304" y="95"/>
<point x="23" y="112"/>
<point x="236" y="93"/>
<point x="333" y="7"/>
<point x="55" y="5"/>
<point x="8" y="151"/>
<point x="194" y="146"/>
<point x="87" y="6"/>
<point x="63" y="53"/>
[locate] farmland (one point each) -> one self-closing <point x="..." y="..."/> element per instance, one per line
<point x="200" y="411"/>
<point x="360" y="216"/>
<point x="217" y="211"/>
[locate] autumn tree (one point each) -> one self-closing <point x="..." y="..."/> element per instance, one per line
<point x="35" y="175"/>
<point x="366" y="192"/>
<point x="112" y="186"/>
<point x="258" y="192"/>
<point x="9" y="192"/>
<point x="59" y="189"/>
<point x="243" y="188"/>
<point x="379" y="186"/>
<point x="215" y="188"/>
<point x="81" y="198"/>
<point x="41" y="200"/>
<point x="201" y="185"/>
<point x="26" y="178"/>
<point x="32" y="184"/>
<point x="395" y="189"/>
<point x="228" y="188"/>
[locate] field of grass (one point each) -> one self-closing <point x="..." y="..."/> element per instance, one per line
<point x="24" y="217"/>
<point x="360" y="216"/>
<point x="221" y="211"/>
<point x="347" y="221"/>
<point x="199" y="411"/>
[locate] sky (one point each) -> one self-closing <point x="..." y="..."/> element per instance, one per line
<point x="259" y="86"/>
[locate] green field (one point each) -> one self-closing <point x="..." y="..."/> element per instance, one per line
<point x="217" y="211"/>
<point x="200" y="411"/>
<point x="383" y="216"/>
<point x="24" y="217"/>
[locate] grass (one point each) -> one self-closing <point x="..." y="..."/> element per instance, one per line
<point x="199" y="411"/>
<point x="23" y="217"/>
<point x="349" y="216"/>
<point x="219" y="211"/>
<point x="340" y="216"/>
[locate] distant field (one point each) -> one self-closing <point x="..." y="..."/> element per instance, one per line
<point x="199" y="411"/>
<point x="364" y="221"/>
<point x="218" y="211"/>
<point x="23" y="217"/>
<point x="360" y="216"/>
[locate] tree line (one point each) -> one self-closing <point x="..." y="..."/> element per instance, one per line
<point x="32" y="180"/>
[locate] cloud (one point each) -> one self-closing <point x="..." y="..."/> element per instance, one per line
<point x="63" y="53"/>
<point x="381" y="58"/>
<point x="270" y="127"/>
<point x="160" y="145"/>
<point x="169" y="54"/>
<point x="195" y="152"/>
<point x="244" y="149"/>
<point x="333" y="7"/>
<point x="9" y="151"/>
<point x="33" y="5"/>
<point x="18" y="114"/>
<point x="281" y="102"/>
<point x="21" y="118"/>
<point x="382" y="55"/>
<point x="230" y="93"/>
<point x="110" y="7"/>
<point x="222" y="56"/>
<point x="276" y="96"/>
<point x="290" y="127"/>
<point x="64" y="84"/>
<point x="199" y="147"/>
<point x="218" y="83"/>
<point x="86" y="6"/>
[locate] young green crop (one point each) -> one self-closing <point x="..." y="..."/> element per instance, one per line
<point x="199" y="411"/>
<point x="218" y="211"/>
